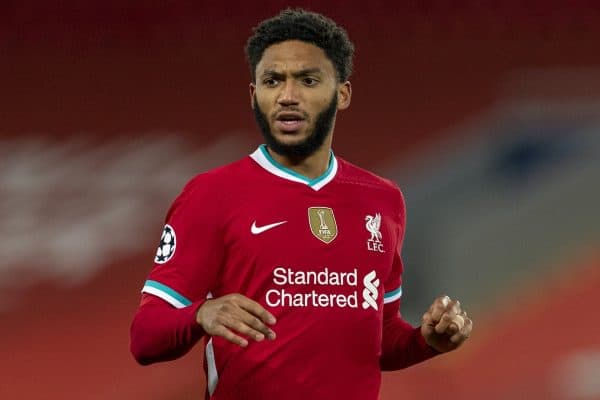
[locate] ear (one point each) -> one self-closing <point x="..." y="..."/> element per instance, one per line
<point x="344" y="95"/>
<point x="252" y="92"/>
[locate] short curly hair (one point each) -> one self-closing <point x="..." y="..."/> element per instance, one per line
<point x="307" y="26"/>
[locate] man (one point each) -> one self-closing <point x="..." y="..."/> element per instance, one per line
<point x="287" y="261"/>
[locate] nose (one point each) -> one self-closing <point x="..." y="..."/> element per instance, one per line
<point x="288" y="95"/>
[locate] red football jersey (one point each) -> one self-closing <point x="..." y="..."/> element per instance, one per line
<point x="321" y="255"/>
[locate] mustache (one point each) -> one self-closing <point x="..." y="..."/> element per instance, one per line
<point x="295" y="109"/>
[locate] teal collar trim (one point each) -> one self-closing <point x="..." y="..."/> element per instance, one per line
<point x="264" y="159"/>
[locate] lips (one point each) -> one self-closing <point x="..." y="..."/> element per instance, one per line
<point x="289" y="121"/>
<point x="289" y="126"/>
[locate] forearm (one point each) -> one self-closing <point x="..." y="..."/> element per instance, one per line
<point x="402" y="345"/>
<point x="160" y="332"/>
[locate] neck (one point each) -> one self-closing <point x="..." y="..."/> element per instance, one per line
<point x="312" y="166"/>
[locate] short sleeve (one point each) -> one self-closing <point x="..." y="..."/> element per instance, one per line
<point x="190" y="251"/>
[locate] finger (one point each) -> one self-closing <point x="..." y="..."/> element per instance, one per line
<point x="257" y="310"/>
<point x="443" y="324"/>
<point x="241" y="321"/>
<point x="427" y="323"/>
<point x="225" y="333"/>
<point x="468" y="328"/>
<point x="456" y="325"/>
<point x="450" y="322"/>
<point x="464" y="333"/>
<point x="438" y="307"/>
<point x="255" y="324"/>
<point x="238" y="326"/>
<point x="447" y="317"/>
<point x="454" y="307"/>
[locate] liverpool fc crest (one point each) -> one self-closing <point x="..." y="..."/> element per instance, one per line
<point x="373" y="224"/>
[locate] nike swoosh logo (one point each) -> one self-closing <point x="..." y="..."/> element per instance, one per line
<point x="260" y="229"/>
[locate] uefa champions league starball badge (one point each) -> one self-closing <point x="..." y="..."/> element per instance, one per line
<point x="166" y="247"/>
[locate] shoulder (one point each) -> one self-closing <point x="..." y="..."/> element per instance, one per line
<point x="217" y="179"/>
<point x="353" y="174"/>
<point x="207" y="189"/>
<point x="373" y="188"/>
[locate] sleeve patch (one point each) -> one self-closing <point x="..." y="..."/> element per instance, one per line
<point x="167" y="245"/>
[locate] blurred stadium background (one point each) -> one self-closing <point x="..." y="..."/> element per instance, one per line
<point x="488" y="116"/>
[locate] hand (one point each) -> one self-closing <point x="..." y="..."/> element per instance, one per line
<point x="445" y="326"/>
<point x="235" y="314"/>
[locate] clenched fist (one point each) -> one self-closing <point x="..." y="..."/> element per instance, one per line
<point x="445" y="326"/>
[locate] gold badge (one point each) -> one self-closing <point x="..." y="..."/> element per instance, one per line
<point x="322" y="223"/>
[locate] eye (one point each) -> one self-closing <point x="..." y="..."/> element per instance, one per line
<point x="308" y="81"/>
<point x="270" y="82"/>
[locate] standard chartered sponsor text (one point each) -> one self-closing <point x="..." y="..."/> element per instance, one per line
<point x="292" y="296"/>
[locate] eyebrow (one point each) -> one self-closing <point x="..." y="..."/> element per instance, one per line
<point x="302" y="72"/>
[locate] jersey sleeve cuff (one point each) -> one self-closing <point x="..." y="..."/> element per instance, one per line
<point x="193" y="319"/>
<point x="427" y="350"/>
<point x="164" y="292"/>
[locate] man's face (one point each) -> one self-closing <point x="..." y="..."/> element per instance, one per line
<point x="296" y="96"/>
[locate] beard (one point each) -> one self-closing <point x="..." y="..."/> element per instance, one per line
<point x="305" y="148"/>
